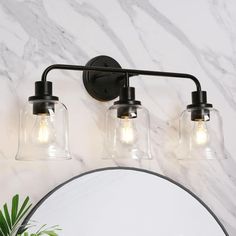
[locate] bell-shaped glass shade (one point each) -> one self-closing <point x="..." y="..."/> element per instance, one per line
<point x="127" y="132"/>
<point x="43" y="131"/>
<point x="201" y="135"/>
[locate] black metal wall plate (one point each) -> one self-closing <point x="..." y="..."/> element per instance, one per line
<point x="103" y="86"/>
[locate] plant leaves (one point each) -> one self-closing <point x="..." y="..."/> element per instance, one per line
<point x="49" y="233"/>
<point x="19" y="217"/>
<point x="8" y="222"/>
<point x="1" y="232"/>
<point x="23" y="210"/>
<point x="23" y="234"/>
<point x="40" y="229"/>
<point x="7" y="215"/>
<point x="14" y="209"/>
<point x="4" y="225"/>
<point x="23" y="206"/>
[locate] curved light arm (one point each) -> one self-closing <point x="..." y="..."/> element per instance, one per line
<point x="130" y="72"/>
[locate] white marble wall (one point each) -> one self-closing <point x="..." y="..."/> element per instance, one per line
<point x="197" y="37"/>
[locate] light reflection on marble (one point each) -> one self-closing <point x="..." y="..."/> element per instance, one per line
<point x="197" y="37"/>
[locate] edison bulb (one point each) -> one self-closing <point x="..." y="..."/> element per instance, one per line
<point x="127" y="131"/>
<point x="43" y="131"/>
<point x="200" y="133"/>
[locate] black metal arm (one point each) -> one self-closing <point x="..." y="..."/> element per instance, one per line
<point x="105" y="80"/>
<point x="131" y="72"/>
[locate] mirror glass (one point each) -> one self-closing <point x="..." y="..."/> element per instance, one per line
<point x="127" y="202"/>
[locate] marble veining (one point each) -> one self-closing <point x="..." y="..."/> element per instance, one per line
<point x="197" y="37"/>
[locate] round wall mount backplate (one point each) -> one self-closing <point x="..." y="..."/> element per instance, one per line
<point x="103" y="86"/>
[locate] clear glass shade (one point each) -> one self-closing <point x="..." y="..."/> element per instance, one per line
<point x="127" y="135"/>
<point x="43" y="136"/>
<point x="201" y="138"/>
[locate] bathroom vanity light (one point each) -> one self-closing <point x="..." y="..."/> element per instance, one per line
<point x="201" y="135"/>
<point x="127" y="126"/>
<point x="43" y="129"/>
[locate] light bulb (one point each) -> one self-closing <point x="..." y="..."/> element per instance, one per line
<point x="127" y="131"/>
<point x="43" y="131"/>
<point x="200" y="134"/>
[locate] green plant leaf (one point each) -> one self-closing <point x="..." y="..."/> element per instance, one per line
<point x="26" y="201"/>
<point x="4" y="225"/>
<point x="1" y="232"/>
<point x="23" y="234"/>
<point x="9" y="222"/>
<point x="19" y="217"/>
<point x="23" y="210"/>
<point x="40" y="229"/>
<point x="9" y="219"/>
<point x="7" y="215"/>
<point x="49" y="233"/>
<point x="14" y="209"/>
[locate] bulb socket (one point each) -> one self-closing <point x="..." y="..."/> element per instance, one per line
<point x="43" y="100"/>
<point x="128" y="111"/>
<point x="200" y="109"/>
<point x="43" y="107"/>
<point x="200" y="114"/>
<point x="128" y="103"/>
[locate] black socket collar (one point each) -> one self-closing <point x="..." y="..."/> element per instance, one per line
<point x="199" y="100"/>
<point x="127" y="98"/>
<point x="43" y="100"/>
<point x="199" y="107"/>
<point x="43" y="91"/>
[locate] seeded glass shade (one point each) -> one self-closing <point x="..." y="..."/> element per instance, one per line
<point x="43" y="136"/>
<point x="127" y="135"/>
<point x="201" y="138"/>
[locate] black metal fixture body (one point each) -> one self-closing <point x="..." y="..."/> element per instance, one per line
<point x="104" y="79"/>
<point x="42" y="100"/>
<point x="199" y="107"/>
<point x="128" y="108"/>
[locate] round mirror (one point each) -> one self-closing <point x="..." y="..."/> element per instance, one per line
<point x="127" y="202"/>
